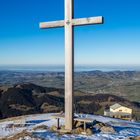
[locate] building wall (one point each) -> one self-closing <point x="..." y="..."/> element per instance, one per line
<point x="122" y="109"/>
<point x="106" y="113"/>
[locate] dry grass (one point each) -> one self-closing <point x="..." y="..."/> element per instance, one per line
<point x="11" y="119"/>
<point x="40" y="127"/>
<point x="133" y="138"/>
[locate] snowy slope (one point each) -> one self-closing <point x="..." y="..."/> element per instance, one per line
<point x="124" y="129"/>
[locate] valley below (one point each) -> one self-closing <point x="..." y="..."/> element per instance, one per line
<point x="121" y="83"/>
<point x="30" y="92"/>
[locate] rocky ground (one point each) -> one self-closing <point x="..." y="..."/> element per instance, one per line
<point x="43" y="127"/>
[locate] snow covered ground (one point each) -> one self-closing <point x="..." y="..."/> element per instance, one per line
<point x="124" y="129"/>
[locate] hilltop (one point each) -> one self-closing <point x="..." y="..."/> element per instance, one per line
<point x="43" y="127"/>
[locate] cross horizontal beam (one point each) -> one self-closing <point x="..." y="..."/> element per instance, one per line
<point x="75" y="22"/>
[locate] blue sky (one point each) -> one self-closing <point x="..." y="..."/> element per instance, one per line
<point x="115" y="42"/>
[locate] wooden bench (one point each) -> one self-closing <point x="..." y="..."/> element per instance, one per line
<point x="83" y="120"/>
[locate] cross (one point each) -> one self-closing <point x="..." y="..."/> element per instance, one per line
<point x="69" y="23"/>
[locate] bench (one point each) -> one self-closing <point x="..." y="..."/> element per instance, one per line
<point x="83" y="120"/>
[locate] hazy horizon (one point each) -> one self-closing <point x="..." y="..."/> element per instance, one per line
<point x="60" y="68"/>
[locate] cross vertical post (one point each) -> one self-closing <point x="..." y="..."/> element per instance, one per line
<point x="69" y="64"/>
<point x="69" y="24"/>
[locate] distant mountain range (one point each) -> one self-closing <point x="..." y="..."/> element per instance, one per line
<point x="77" y="68"/>
<point x="125" y="84"/>
<point x="27" y="98"/>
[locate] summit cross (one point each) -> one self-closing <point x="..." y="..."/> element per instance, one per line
<point x="69" y="23"/>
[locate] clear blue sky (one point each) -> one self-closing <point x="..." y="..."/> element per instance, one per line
<point x="115" y="42"/>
